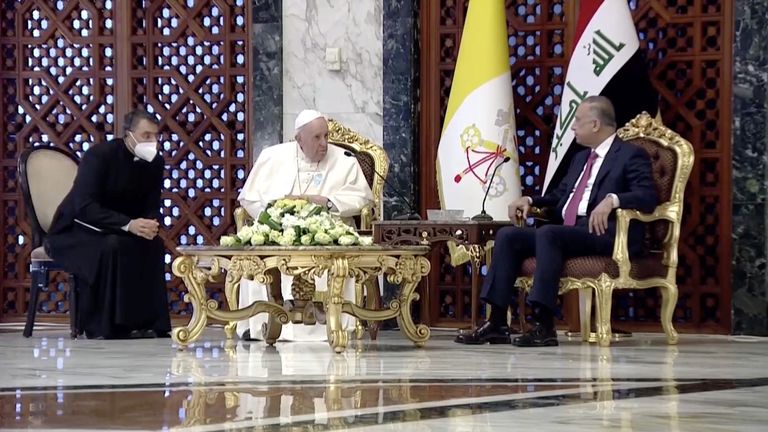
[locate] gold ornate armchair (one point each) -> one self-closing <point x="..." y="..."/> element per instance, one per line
<point x="672" y="161"/>
<point x="372" y="159"/>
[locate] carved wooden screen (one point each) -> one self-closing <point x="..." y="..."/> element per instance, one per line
<point x="189" y="64"/>
<point x="688" y="43"/>
<point x="689" y="49"/>
<point x="70" y="67"/>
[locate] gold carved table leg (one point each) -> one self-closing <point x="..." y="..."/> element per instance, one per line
<point x="408" y="271"/>
<point x="203" y="308"/>
<point x="271" y="330"/>
<point x="337" y="276"/>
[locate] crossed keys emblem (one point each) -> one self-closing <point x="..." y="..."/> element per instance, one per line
<point x="482" y="156"/>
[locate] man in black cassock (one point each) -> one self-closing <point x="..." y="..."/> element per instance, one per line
<point x="105" y="232"/>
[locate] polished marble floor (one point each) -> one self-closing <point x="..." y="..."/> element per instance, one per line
<point x="50" y="382"/>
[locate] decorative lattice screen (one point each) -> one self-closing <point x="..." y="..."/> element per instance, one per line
<point x="187" y="61"/>
<point x="190" y="66"/>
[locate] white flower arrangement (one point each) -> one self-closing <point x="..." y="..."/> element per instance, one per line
<point x="296" y="222"/>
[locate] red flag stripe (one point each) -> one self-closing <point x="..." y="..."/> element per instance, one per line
<point x="587" y="9"/>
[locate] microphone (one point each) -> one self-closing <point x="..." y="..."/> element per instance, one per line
<point x="413" y="215"/>
<point x="483" y="216"/>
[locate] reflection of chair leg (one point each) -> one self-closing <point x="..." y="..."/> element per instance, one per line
<point x="373" y="301"/>
<point x="273" y="406"/>
<point x="39" y="274"/>
<point x="272" y="328"/>
<point x="585" y="311"/>
<point x="74" y="323"/>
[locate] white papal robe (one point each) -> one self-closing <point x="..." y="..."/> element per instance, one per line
<point x="283" y="170"/>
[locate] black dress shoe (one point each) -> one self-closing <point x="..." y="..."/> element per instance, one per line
<point x="148" y="334"/>
<point x="538" y="336"/>
<point x="486" y="333"/>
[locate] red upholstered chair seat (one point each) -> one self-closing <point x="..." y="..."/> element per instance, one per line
<point x="592" y="266"/>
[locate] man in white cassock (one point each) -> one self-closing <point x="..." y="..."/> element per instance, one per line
<point x="321" y="173"/>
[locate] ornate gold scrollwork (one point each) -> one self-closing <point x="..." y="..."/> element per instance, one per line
<point x="458" y="253"/>
<point x="195" y="279"/>
<point x="461" y="254"/>
<point x="408" y="272"/>
<point x="402" y="267"/>
<point x="343" y="136"/>
<point x="242" y="266"/>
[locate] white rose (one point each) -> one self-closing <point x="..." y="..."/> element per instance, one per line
<point x="228" y="241"/>
<point x="289" y="221"/>
<point x="347" y="240"/>
<point x="337" y="232"/>
<point x="285" y="240"/>
<point x="322" y="238"/>
<point x="262" y="229"/>
<point x="291" y="234"/>
<point x="258" y="239"/>
<point x="245" y="234"/>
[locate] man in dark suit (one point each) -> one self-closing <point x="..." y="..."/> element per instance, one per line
<point x="611" y="174"/>
<point x="106" y="233"/>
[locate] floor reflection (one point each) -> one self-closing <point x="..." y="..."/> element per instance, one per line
<point x="216" y="386"/>
<point x="258" y="390"/>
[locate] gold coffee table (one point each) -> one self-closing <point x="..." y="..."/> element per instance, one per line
<point x="197" y="265"/>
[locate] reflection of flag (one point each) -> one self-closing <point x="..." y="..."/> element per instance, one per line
<point x="606" y="61"/>
<point x="479" y="128"/>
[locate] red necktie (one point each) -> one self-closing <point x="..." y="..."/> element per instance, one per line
<point x="572" y="211"/>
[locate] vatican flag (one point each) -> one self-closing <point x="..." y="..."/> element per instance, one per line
<point x="479" y="128"/>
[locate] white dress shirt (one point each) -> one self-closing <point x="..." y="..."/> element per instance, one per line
<point x="601" y="151"/>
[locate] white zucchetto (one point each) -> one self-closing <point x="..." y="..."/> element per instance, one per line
<point x="305" y="117"/>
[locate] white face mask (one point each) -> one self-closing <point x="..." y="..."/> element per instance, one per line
<point x="146" y="150"/>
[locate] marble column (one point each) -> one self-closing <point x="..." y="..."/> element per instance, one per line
<point x="401" y="62"/>
<point x="267" y="79"/>
<point x="353" y="93"/>
<point x="750" y="168"/>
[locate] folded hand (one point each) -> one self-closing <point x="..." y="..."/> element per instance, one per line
<point x="146" y="228"/>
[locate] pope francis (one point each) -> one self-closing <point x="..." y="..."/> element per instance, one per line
<point x="311" y="168"/>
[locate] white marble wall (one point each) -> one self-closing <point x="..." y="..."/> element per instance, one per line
<point x="352" y="95"/>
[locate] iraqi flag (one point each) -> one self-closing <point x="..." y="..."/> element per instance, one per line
<point x="479" y="129"/>
<point x="606" y="61"/>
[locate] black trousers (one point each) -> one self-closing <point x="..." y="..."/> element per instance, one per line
<point x="120" y="277"/>
<point x="551" y="245"/>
